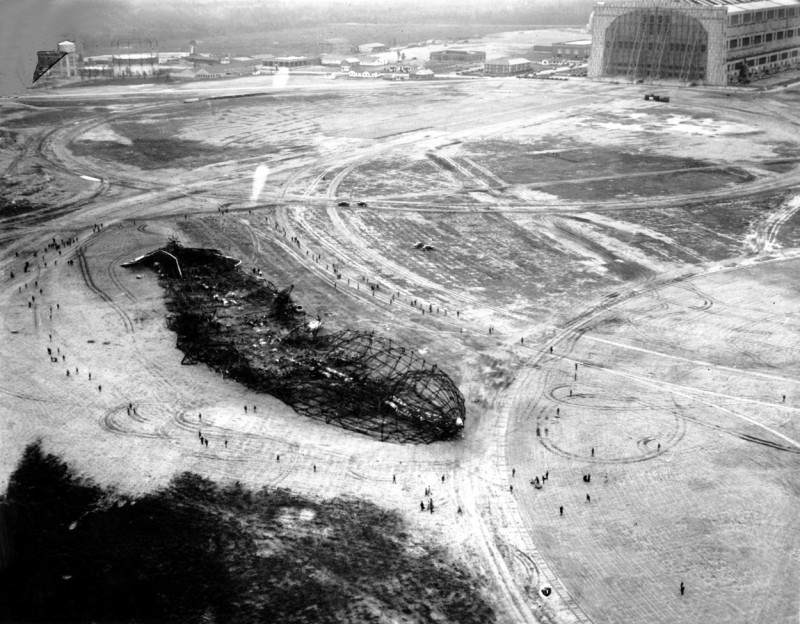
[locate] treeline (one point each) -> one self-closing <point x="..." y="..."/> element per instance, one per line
<point x="194" y="551"/>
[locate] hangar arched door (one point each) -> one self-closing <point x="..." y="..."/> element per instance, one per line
<point x="656" y="43"/>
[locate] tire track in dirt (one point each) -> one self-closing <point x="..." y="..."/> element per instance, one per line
<point x="528" y="388"/>
<point x="381" y="263"/>
<point x="87" y="278"/>
<point x="110" y="422"/>
<point x="514" y="600"/>
<point x="112" y="274"/>
<point x="767" y="232"/>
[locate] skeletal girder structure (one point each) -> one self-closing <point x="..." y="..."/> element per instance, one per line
<point x="247" y="329"/>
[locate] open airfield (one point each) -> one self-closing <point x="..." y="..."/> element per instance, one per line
<point x="636" y="263"/>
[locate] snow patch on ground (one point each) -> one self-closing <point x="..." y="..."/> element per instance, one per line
<point x="104" y="133"/>
<point x="682" y="124"/>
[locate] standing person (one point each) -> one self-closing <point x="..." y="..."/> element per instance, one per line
<point x="394" y="478"/>
<point x="682" y="588"/>
<point x="561" y="510"/>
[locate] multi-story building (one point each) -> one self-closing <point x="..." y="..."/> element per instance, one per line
<point x="507" y="67"/>
<point x="458" y="56"/>
<point x="714" y="42"/>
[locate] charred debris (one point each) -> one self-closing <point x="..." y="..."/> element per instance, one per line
<point x="243" y="326"/>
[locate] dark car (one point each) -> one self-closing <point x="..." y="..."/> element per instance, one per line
<point x="362" y="204"/>
<point x="343" y="204"/>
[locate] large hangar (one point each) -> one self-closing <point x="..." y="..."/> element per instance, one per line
<point x="714" y="42"/>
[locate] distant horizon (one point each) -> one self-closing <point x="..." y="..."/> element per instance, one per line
<point x="98" y="28"/>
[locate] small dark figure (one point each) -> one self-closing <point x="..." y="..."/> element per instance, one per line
<point x="551" y="349"/>
<point x="277" y="458"/>
<point x="547" y="475"/>
<point x="206" y="442"/>
<point x="659" y="446"/>
<point x="315" y="467"/>
<point x="245" y="409"/>
<point x="442" y="478"/>
<point x="254" y="409"/>
<point x="200" y="416"/>
<point x="561" y="510"/>
<point x="513" y="472"/>
<point x="510" y="488"/>
<point x="459" y="509"/>
<point x="394" y="478"/>
<point x="592" y="451"/>
<point x="784" y="396"/>
<point x="67" y="373"/>
<point x="90" y="376"/>
<point x="588" y="499"/>
<point x="226" y="444"/>
<point x="682" y="588"/>
<point x="99" y="388"/>
<point x="421" y="506"/>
